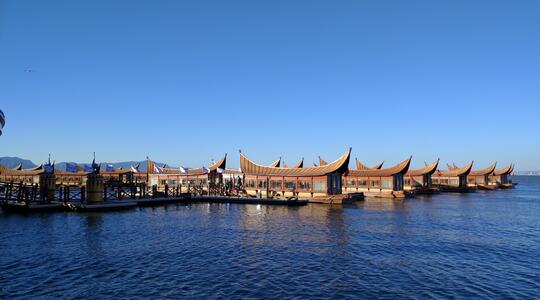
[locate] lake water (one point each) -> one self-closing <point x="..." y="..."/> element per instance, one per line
<point x="485" y="244"/>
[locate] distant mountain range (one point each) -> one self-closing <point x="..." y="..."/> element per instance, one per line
<point x="11" y="162"/>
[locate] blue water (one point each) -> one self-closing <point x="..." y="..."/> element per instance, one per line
<point x="482" y="245"/>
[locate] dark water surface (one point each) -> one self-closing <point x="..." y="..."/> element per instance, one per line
<point x="485" y="244"/>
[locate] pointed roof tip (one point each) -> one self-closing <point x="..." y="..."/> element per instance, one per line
<point x="400" y="168"/>
<point x="428" y="169"/>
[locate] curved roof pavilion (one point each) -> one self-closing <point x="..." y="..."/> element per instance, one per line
<point x="427" y="170"/>
<point x="299" y="164"/>
<point x="339" y="165"/>
<point x="504" y="171"/>
<point x="464" y="171"/>
<point x="484" y="172"/>
<point x="400" y="168"/>
<point x="361" y="166"/>
<point x="276" y="164"/>
<point x="19" y="171"/>
<point x="221" y="164"/>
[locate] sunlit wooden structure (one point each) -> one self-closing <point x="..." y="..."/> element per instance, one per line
<point x="387" y="183"/>
<point x="361" y="166"/>
<point x="419" y="180"/>
<point x="452" y="180"/>
<point x="480" y="178"/>
<point x="66" y="178"/>
<point x="20" y="175"/>
<point x="317" y="183"/>
<point x="299" y="164"/>
<point x="201" y="178"/>
<point x="501" y="178"/>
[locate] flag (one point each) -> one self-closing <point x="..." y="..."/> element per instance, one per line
<point x="158" y="170"/>
<point x="220" y="170"/>
<point x="71" y="167"/>
<point x="109" y="168"/>
<point x="134" y="170"/>
<point x="88" y="169"/>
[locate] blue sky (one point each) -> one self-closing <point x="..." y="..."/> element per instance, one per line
<point x="186" y="81"/>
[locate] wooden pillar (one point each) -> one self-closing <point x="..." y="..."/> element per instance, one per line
<point x="94" y="188"/>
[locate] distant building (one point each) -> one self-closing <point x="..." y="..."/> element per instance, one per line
<point x="419" y="180"/>
<point x="501" y="177"/>
<point x="480" y="178"/>
<point x="378" y="182"/>
<point x="317" y="183"/>
<point x="454" y="179"/>
<point x="201" y="178"/>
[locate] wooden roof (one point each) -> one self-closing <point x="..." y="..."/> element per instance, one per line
<point x="116" y="171"/>
<point x="232" y="171"/>
<point x="452" y="167"/>
<point x="400" y="168"/>
<point x="361" y="166"/>
<point x="504" y="171"/>
<point x="299" y="164"/>
<point x="464" y="171"/>
<point x="18" y="171"/>
<point x="276" y="164"/>
<point x="486" y="171"/>
<point x="197" y="171"/>
<point x="340" y="165"/>
<point x="322" y="162"/>
<point x="427" y="170"/>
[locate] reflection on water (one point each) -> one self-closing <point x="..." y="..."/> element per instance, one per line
<point x="448" y="245"/>
<point x="381" y="204"/>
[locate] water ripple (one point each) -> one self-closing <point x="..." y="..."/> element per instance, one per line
<point x="482" y="245"/>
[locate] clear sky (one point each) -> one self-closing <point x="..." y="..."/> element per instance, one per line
<point x="186" y="81"/>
